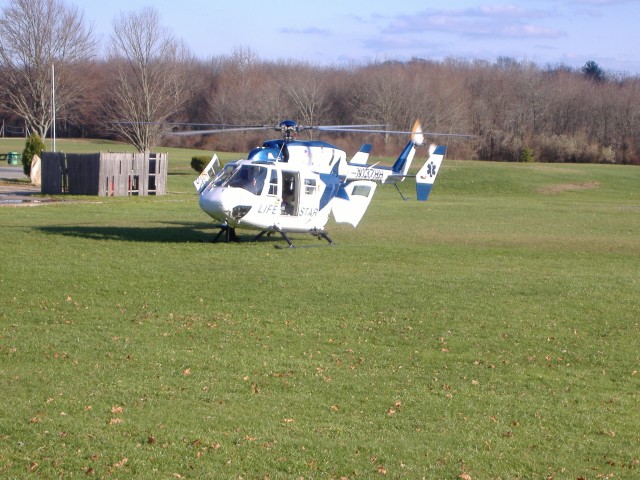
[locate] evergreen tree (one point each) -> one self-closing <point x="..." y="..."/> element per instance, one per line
<point x="593" y="71"/>
<point x="33" y="146"/>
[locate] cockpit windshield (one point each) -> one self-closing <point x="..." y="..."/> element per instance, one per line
<point x="249" y="177"/>
<point x="223" y="176"/>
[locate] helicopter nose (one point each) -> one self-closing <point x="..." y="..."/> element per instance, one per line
<point x="212" y="203"/>
<point x="228" y="205"/>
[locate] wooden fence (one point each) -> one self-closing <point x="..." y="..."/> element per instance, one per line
<point x="104" y="174"/>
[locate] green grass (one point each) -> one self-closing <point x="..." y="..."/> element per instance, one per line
<point x="492" y="331"/>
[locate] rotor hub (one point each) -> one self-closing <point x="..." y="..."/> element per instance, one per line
<point x="289" y="128"/>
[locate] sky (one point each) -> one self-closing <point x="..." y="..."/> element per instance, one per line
<point x="346" y="32"/>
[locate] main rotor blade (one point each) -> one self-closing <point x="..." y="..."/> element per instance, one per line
<point x="393" y="132"/>
<point x="177" y="124"/>
<point x="219" y="130"/>
<point x="347" y="126"/>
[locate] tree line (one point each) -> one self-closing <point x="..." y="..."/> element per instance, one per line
<point x="148" y="79"/>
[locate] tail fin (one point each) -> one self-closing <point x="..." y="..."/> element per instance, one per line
<point x="401" y="167"/>
<point x="362" y="156"/>
<point x="427" y="174"/>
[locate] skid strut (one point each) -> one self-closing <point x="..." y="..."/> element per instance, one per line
<point x="228" y="232"/>
<point x="322" y="234"/>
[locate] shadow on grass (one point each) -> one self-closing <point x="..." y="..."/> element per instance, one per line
<point x="174" y="232"/>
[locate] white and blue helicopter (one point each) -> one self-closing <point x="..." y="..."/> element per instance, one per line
<point x="293" y="186"/>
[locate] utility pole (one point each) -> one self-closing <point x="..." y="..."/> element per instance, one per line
<point x="53" y="105"/>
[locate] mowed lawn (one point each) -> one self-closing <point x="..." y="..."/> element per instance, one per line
<point x="491" y="333"/>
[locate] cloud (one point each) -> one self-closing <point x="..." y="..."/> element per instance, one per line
<point x="598" y="3"/>
<point x="496" y="21"/>
<point x="305" y="31"/>
<point x="596" y="8"/>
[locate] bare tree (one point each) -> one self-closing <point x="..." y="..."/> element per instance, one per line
<point x="148" y="86"/>
<point x="305" y="90"/>
<point x="241" y="81"/>
<point x="36" y="35"/>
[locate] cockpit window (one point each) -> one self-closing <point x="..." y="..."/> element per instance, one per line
<point x="249" y="177"/>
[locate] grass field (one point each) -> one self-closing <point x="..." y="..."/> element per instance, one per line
<point x="491" y="333"/>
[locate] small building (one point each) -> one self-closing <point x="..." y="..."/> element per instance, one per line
<point x="104" y="174"/>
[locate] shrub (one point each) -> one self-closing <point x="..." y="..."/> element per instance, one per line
<point x="199" y="162"/>
<point x="608" y="155"/>
<point x="557" y="149"/>
<point x="33" y="146"/>
<point x="500" y="146"/>
<point x="572" y="149"/>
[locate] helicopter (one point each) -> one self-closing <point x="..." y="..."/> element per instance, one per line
<point x="293" y="186"/>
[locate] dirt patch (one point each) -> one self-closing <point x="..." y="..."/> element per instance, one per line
<point x="568" y="187"/>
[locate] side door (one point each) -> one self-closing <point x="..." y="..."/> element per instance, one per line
<point x="351" y="208"/>
<point x="290" y="192"/>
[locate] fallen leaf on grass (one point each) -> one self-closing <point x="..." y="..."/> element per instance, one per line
<point x="117" y="410"/>
<point x="121" y="463"/>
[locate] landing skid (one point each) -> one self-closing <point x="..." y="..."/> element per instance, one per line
<point x="319" y="234"/>
<point x="228" y="235"/>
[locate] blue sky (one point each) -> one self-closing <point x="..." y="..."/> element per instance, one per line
<point x="339" y="32"/>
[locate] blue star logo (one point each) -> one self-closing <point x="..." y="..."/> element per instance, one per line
<point x="431" y="169"/>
